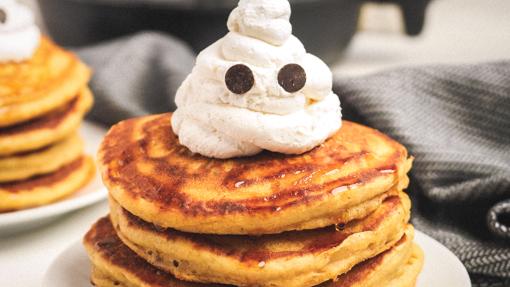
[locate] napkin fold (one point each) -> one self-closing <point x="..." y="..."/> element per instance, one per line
<point x="136" y="75"/>
<point x="454" y="119"/>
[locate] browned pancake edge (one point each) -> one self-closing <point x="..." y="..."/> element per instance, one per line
<point x="249" y="249"/>
<point x="103" y="241"/>
<point x="42" y="180"/>
<point x="174" y="181"/>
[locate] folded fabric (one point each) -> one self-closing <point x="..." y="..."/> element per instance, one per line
<point x="454" y="119"/>
<point x="136" y="75"/>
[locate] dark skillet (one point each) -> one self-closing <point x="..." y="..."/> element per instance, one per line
<point x="325" y="26"/>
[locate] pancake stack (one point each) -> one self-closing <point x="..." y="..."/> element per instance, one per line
<point x="334" y="216"/>
<point x="42" y="102"/>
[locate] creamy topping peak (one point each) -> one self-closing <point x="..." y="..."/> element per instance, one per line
<point x="19" y="36"/>
<point x="266" y="20"/>
<point x="256" y="88"/>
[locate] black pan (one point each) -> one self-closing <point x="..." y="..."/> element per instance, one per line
<point x="325" y="26"/>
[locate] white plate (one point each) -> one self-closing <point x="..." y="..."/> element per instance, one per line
<point x="442" y="268"/>
<point x="14" y="222"/>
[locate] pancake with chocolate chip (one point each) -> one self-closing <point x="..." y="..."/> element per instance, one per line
<point x="42" y="161"/>
<point x="48" y="129"/>
<point x="152" y="176"/>
<point x="114" y="264"/>
<point x="33" y="88"/>
<point x="294" y="258"/>
<point x="44" y="189"/>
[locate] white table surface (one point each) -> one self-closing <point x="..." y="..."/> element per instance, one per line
<point x="457" y="31"/>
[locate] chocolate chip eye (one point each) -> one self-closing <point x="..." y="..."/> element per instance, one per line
<point x="3" y="16"/>
<point x="239" y="79"/>
<point x="292" y="78"/>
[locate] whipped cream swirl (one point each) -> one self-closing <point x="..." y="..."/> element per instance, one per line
<point x="19" y="35"/>
<point x="215" y="122"/>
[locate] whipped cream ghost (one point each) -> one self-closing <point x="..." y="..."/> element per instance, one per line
<point x="256" y="89"/>
<point x="19" y="35"/>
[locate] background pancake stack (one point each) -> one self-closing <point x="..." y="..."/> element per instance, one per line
<point x="42" y="102"/>
<point x="334" y="216"/>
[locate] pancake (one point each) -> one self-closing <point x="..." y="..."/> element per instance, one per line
<point x="396" y="267"/>
<point x="44" y="161"/>
<point x="32" y="88"/>
<point x="48" y="188"/>
<point x="292" y="258"/>
<point x="152" y="176"/>
<point x="46" y="130"/>
<point x="114" y="264"/>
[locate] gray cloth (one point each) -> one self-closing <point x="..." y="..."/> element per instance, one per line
<point x="454" y="119"/>
<point x="135" y="75"/>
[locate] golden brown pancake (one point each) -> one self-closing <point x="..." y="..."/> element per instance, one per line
<point x="47" y="188"/>
<point x="48" y="129"/>
<point x="43" y="161"/>
<point x="32" y="88"/>
<point x="151" y="175"/>
<point x="293" y="258"/>
<point x="114" y="264"/>
<point x="396" y="267"/>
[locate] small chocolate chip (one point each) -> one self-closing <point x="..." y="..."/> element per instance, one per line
<point x="176" y="263"/>
<point x="239" y="79"/>
<point x="3" y="16"/>
<point x="292" y="78"/>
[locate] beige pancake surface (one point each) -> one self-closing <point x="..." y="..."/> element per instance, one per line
<point x="43" y="161"/>
<point x="291" y="258"/>
<point x="396" y="267"/>
<point x="48" y="129"/>
<point x="35" y="87"/>
<point x="114" y="264"/>
<point x="44" y="189"/>
<point x="151" y="175"/>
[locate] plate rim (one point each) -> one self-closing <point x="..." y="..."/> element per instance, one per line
<point x="421" y="237"/>
<point x="59" y="207"/>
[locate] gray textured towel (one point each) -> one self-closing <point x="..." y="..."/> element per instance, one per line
<point x="454" y="119"/>
<point x="135" y="75"/>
